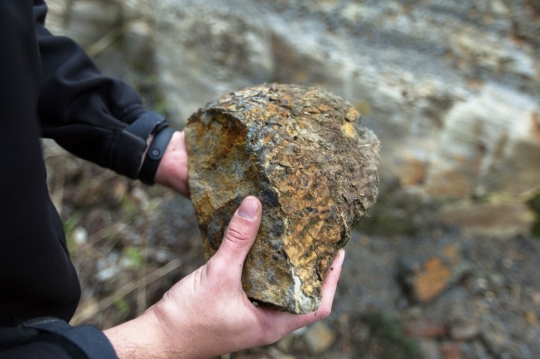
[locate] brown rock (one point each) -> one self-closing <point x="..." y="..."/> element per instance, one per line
<point x="423" y="328"/>
<point x="436" y="267"/>
<point x="298" y="151"/>
<point x="432" y="280"/>
<point x="452" y="351"/>
<point x="531" y="317"/>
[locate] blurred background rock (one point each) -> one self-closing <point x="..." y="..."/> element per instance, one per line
<point x="446" y="267"/>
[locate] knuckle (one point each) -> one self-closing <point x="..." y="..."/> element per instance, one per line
<point x="236" y="234"/>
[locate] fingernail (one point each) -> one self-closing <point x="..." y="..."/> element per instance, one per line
<point x="249" y="207"/>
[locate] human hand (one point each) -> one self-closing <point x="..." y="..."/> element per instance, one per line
<point x="207" y="313"/>
<point x="173" y="168"/>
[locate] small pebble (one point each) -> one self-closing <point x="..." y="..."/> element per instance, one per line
<point x="319" y="338"/>
<point x="299" y="332"/>
<point x="161" y="255"/>
<point x="452" y="351"/>
<point x="490" y="296"/>
<point x="507" y="263"/>
<point x="535" y="297"/>
<point x="463" y="331"/>
<point x="481" y="284"/>
<point x="285" y="343"/>
<point x="423" y="328"/>
<point x="531" y="317"/>
<point x="276" y="354"/>
<point x="107" y="273"/>
<point x="479" y="351"/>
<point x="497" y="280"/>
<point x="80" y="236"/>
<point x="429" y="349"/>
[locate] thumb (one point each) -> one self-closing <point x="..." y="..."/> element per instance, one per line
<point x="240" y="235"/>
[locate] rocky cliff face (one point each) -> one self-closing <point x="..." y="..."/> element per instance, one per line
<point x="451" y="88"/>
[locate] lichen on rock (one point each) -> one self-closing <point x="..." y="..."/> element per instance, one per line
<point x="299" y="151"/>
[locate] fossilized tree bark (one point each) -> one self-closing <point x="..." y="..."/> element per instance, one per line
<point x="298" y="151"/>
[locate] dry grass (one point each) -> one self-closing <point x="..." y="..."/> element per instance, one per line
<point x="129" y="242"/>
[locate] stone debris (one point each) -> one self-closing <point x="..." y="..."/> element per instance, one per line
<point x="535" y="297"/>
<point x="433" y="271"/>
<point x="531" y="317"/>
<point x="452" y="351"/>
<point x="298" y="150"/>
<point x="284" y="344"/>
<point x="432" y="279"/>
<point x="276" y="354"/>
<point x="319" y="338"/>
<point x="429" y="349"/>
<point x="424" y="328"/>
<point x="463" y="331"/>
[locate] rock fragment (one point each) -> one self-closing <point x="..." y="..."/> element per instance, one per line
<point x="298" y="151"/>
<point x="464" y="330"/>
<point x="424" y="328"/>
<point x="452" y="350"/>
<point x="319" y="338"/>
<point x="434" y="270"/>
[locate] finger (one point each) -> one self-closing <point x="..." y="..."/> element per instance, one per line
<point x="329" y="285"/>
<point x="287" y="322"/>
<point x="239" y="236"/>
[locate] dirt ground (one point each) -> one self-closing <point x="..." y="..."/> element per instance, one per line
<point x="431" y="294"/>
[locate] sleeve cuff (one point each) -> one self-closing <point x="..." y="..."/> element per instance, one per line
<point x="126" y="153"/>
<point x="129" y="144"/>
<point x="89" y="339"/>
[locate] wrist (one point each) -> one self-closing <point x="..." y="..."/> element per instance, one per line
<point x="154" y="154"/>
<point x="140" y="338"/>
<point x="173" y="168"/>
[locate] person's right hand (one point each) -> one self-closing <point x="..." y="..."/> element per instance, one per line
<point x="207" y="313"/>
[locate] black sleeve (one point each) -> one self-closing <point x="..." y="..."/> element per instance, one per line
<point x="85" y="112"/>
<point x="50" y="338"/>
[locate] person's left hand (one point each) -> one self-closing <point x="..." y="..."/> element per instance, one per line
<point x="173" y="168"/>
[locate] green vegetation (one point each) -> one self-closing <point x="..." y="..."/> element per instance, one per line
<point x="387" y="336"/>
<point x="135" y="255"/>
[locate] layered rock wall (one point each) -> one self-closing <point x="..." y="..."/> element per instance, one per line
<point x="451" y="88"/>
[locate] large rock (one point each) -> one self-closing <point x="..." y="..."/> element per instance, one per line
<point x="299" y="152"/>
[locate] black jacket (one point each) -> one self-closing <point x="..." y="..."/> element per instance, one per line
<point x="50" y="88"/>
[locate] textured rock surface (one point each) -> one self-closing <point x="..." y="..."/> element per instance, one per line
<point x="298" y="151"/>
<point x="450" y="88"/>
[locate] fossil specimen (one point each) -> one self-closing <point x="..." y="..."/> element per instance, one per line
<point x="297" y="149"/>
